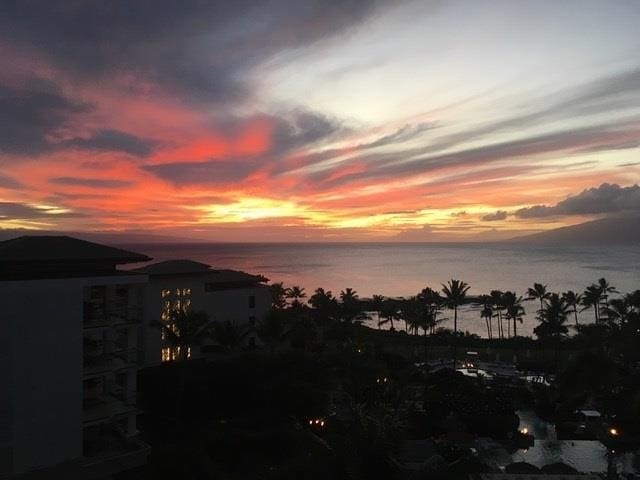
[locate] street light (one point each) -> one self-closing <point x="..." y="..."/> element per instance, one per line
<point x="611" y="464"/>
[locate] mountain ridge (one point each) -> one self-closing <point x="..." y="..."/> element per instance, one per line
<point x="604" y="231"/>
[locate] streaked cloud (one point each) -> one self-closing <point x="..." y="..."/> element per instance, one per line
<point x="113" y="141"/>
<point x="322" y="119"/>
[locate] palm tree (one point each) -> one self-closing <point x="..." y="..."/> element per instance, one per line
<point x="389" y="311"/>
<point x="605" y="290"/>
<point x="412" y="311"/>
<point x="498" y="306"/>
<point x="552" y="318"/>
<point x="433" y="303"/>
<point x="591" y="299"/>
<point x="183" y="331"/>
<point x="573" y="299"/>
<point x="538" y="292"/>
<point x="229" y="335"/>
<point x="487" y="313"/>
<point x="278" y="295"/>
<point x="325" y="306"/>
<point x="296" y="294"/>
<point x="455" y="293"/>
<point x="377" y="302"/>
<point x="271" y="329"/>
<point x="350" y="306"/>
<point x="619" y="309"/>
<point x="514" y="309"/>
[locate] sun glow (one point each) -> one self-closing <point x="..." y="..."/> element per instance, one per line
<point x="247" y="209"/>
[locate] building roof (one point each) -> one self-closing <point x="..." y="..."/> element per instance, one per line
<point x="30" y="249"/>
<point x="232" y="276"/>
<point x="170" y="268"/>
<point x="174" y="267"/>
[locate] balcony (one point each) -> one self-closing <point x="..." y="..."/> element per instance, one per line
<point x="98" y="410"/>
<point x="93" y="364"/>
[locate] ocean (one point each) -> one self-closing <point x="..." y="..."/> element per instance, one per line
<point x="396" y="270"/>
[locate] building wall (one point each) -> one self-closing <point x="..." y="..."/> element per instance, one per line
<point x="41" y="411"/>
<point x="220" y="305"/>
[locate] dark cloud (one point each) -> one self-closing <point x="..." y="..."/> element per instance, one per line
<point x="302" y="128"/>
<point x="31" y="113"/>
<point x="91" y="182"/>
<point x="605" y="199"/>
<point x="10" y="183"/>
<point x="114" y="141"/>
<point x="291" y="131"/>
<point x="492" y="217"/>
<point x="213" y="172"/>
<point x="21" y="211"/>
<point x="201" y="49"/>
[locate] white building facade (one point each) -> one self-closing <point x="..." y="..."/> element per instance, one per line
<point x="69" y="356"/>
<point x="224" y="295"/>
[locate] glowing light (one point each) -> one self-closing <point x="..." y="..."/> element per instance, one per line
<point x="246" y="209"/>
<point x="524" y="431"/>
<point x="613" y="432"/>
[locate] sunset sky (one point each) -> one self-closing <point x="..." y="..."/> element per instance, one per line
<point x="318" y="120"/>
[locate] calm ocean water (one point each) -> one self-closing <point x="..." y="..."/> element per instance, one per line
<point x="404" y="269"/>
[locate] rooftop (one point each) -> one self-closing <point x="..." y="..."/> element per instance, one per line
<point x="63" y="249"/>
<point x="182" y="267"/>
<point x="174" y="267"/>
<point x="40" y="257"/>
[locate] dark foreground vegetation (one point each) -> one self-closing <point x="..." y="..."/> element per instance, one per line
<point x="324" y="397"/>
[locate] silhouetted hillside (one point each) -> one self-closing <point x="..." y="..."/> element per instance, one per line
<point x="607" y="231"/>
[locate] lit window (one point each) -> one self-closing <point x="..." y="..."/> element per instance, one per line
<point x="166" y="354"/>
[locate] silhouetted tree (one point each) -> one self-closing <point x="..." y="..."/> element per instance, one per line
<point x="498" y="307"/>
<point x="350" y="307"/>
<point x="433" y="302"/>
<point x="376" y="302"/>
<point x="618" y="310"/>
<point x="573" y="299"/>
<point x="552" y="318"/>
<point x="325" y="306"/>
<point x="183" y="331"/>
<point x="229" y="335"/>
<point x="514" y="309"/>
<point x="591" y="299"/>
<point x="272" y="328"/>
<point x="455" y="293"/>
<point x="389" y="311"/>
<point x="538" y="292"/>
<point x="487" y="313"/>
<point x="296" y="294"/>
<point x="278" y="295"/>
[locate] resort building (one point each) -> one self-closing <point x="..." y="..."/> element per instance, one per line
<point x="225" y="295"/>
<point x="69" y="355"/>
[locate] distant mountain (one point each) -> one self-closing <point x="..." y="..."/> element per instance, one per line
<point x="109" y="238"/>
<point x="607" y="231"/>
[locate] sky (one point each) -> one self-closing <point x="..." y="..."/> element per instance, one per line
<point x="301" y="120"/>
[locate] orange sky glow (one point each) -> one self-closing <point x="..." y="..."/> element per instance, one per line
<point x="315" y="134"/>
